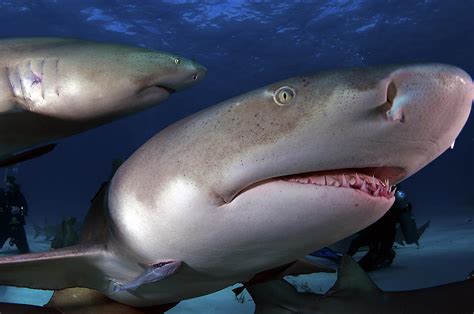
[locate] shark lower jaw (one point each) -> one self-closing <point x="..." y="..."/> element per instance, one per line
<point x="372" y="181"/>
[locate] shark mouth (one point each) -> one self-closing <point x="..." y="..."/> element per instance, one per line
<point x="346" y="178"/>
<point x="374" y="182"/>
<point x="168" y="89"/>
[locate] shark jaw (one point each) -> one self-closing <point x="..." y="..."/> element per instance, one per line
<point x="372" y="182"/>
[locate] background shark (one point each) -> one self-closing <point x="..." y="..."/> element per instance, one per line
<point x="354" y="291"/>
<point x="51" y="88"/>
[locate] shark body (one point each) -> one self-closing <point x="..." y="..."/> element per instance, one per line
<point x="51" y="88"/>
<point x="286" y="169"/>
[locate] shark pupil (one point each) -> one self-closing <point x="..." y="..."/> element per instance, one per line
<point x="284" y="95"/>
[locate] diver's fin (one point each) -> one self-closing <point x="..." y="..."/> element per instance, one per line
<point x="83" y="300"/>
<point x="423" y="228"/>
<point x="298" y="267"/>
<point x="399" y="236"/>
<point x="52" y="270"/>
<point x="26" y="155"/>
<point x="352" y="277"/>
<point x="151" y="274"/>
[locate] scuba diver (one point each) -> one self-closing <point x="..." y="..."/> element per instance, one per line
<point x="13" y="210"/>
<point x="380" y="236"/>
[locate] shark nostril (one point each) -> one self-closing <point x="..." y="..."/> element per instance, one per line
<point x="391" y="92"/>
<point x="391" y="110"/>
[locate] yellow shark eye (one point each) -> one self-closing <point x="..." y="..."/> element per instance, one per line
<point x="284" y="95"/>
<point x="177" y="61"/>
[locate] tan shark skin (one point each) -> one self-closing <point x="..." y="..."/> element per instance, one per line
<point x="354" y="292"/>
<point x="207" y="190"/>
<point x="51" y="88"/>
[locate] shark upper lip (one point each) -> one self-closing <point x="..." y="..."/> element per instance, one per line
<point x="375" y="181"/>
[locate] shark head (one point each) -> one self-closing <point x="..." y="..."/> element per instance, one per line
<point x="80" y="80"/>
<point x="263" y="178"/>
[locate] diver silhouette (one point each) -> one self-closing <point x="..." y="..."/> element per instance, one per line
<point x="13" y="210"/>
<point x="380" y="236"/>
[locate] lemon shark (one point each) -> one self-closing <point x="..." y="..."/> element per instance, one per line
<point x="356" y="291"/>
<point x="256" y="182"/>
<point x="51" y="88"/>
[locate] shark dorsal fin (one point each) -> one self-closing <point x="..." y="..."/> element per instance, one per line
<point x="351" y="277"/>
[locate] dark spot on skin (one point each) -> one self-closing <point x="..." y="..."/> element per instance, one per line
<point x="356" y="205"/>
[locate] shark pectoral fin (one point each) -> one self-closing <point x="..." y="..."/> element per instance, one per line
<point x="83" y="300"/>
<point x="352" y="277"/>
<point x="26" y="155"/>
<point x="74" y="266"/>
<point x="152" y="273"/>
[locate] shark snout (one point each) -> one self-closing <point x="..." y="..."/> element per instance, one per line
<point x="193" y="74"/>
<point x="428" y="92"/>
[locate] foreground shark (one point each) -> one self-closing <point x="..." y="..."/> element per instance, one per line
<point x="354" y="292"/>
<point x="285" y="169"/>
<point x="51" y="88"/>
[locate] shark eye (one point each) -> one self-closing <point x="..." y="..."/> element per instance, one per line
<point x="177" y="61"/>
<point x="284" y="95"/>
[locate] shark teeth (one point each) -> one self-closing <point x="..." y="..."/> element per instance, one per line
<point x="367" y="184"/>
